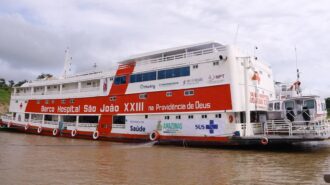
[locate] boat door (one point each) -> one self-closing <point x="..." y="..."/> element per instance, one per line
<point x="309" y="109"/>
<point x="105" y="124"/>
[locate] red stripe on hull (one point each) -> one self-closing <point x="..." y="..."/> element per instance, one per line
<point x="212" y="98"/>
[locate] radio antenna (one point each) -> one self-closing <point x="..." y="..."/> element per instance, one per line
<point x="295" y="51"/>
<point x="67" y="63"/>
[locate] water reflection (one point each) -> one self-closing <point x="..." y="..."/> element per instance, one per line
<point x="31" y="159"/>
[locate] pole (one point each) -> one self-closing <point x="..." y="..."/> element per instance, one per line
<point x="246" y="90"/>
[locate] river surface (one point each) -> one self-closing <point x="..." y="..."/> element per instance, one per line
<point x="32" y="159"/>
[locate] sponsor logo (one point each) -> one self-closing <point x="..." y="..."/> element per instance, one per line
<point x="151" y="86"/>
<point x="192" y="81"/>
<point x="216" y="78"/>
<point x="137" y="128"/>
<point x="211" y="127"/>
<point x="171" y="128"/>
<point x="136" y="121"/>
<point x="169" y="84"/>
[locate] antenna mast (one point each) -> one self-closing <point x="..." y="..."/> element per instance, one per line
<point x="67" y="63"/>
<point x="295" y="51"/>
<point x="297" y="83"/>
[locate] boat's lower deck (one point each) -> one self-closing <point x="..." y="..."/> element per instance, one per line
<point x="214" y="141"/>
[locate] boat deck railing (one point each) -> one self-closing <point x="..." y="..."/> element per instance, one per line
<point x="181" y="55"/>
<point x="302" y="128"/>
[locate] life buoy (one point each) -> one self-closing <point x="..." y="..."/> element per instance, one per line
<point x="95" y="135"/>
<point x="39" y="130"/>
<point x="264" y="141"/>
<point x="55" y="131"/>
<point x="154" y="136"/>
<point x="231" y="118"/>
<point x="26" y="127"/>
<point x="73" y="132"/>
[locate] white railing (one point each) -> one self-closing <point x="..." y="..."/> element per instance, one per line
<point x="87" y="124"/>
<point x="51" y="122"/>
<point x="36" y="121"/>
<point x="7" y="118"/>
<point x="69" y="124"/>
<point x="52" y="92"/>
<point x="285" y="127"/>
<point x="88" y="89"/>
<point x="64" y="91"/>
<point x="182" y="55"/>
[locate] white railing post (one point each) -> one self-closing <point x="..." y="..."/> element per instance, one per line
<point x="61" y="88"/>
<point x="290" y="128"/>
<point x="77" y="122"/>
<point x="79" y="86"/>
<point x="43" y="120"/>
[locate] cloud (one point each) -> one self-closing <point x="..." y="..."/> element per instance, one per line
<point x="34" y="34"/>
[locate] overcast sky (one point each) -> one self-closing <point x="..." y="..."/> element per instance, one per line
<point x="34" y="34"/>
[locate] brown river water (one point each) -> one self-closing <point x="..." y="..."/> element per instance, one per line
<point x="32" y="159"/>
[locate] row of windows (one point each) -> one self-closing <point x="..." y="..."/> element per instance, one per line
<point x="173" y="73"/>
<point x="121" y="119"/>
<point x="63" y="101"/>
<point x="143" y="77"/>
<point x="142" y="96"/>
<point x="148" y="76"/>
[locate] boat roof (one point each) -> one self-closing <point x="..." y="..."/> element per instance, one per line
<point x="170" y="51"/>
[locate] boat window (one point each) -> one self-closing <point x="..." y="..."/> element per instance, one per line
<point x="277" y="106"/>
<point x="143" y="77"/>
<point x="143" y="96"/>
<point x="172" y="73"/>
<point x="119" y="120"/>
<point x="289" y="105"/>
<point x="71" y="119"/>
<point x="190" y="116"/>
<point x="178" y="117"/>
<point x="189" y="92"/>
<point x="284" y="88"/>
<point x="218" y="116"/>
<point x="113" y="98"/>
<point x="270" y="106"/>
<point x="120" y="80"/>
<point x="169" y="93"/>
<point x="324" y="107"/>
<point x="88" y="119"/>
<point x="309" y="104"/>
<point x="47" y="117"/>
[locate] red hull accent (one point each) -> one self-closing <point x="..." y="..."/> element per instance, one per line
<point x="214" y="98"/>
